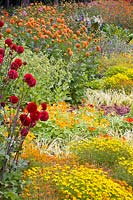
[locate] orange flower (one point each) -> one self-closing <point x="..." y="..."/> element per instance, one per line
<point x="48" y="23"/>
<point x="20" y="24"/>
<point x="68" y="49"/>
<point x="89" y="39"/>
<point x="29" y="31"/>
<point x="74" y="37"/>
<point x="70" y="53"/>
<point x="77" y="45"/>
<point x="95" y="40"/>
<point x="6" y="14"/>
<point x="78" y="32"/>
<point x="101" y="135"/>
<point x="35" y="38"/>
<point x="15" y="35"/>
<point x="58" y="20"/>
<point x="48" y="32"/>
<point x="129" y="119"/>
<point x="69" y="43"/>
<point x="45" y="36"/>
<point x="92" y="128"/>
<point x="98" y="48"/>
<point x="84" y="44"/>
<point x="87" y="54"/>
<point x="123" y="139"/>
<point x="12" y="21"/>
<point x="83" y="28"/>
<point x="8" y="30"/>
<point x="40" y="34"/>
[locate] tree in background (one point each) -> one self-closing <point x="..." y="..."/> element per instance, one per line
<point x="8" y="3"/>
<point x="25" y="2"/>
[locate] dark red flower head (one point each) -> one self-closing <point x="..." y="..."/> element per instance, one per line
<point x="2" y="51"/>
<point x="44" y="116"/>
<point x="31" y="107"/>
<point x="3" y="104"/>
<point x="13" y="99"/>
<point x="12" y="74"/>
<point x="32" y="124"/>
<point x="44" y="106"/>
<point x="13" y="47"/>
<point x="14" y="65"/>
<point x="27" y="77"/>
<point x="24" y="132"/>
<point x="24" y="63"/>
<point x="18" y="61"/>
<point x="35" y="116"/>
<point x="20" y="49"/>
<point x="25" y="120"/>
<point x="1" y="23"/>
<point x="1" y="59"/>
<point x="8" y="41"/>
<point x="30" y="80"/>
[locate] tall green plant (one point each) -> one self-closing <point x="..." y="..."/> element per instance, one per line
<point x="15" y="122"/>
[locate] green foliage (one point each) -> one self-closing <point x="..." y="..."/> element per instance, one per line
<point x="95" y="84"/>
<point x="112" y="30"/>
<point x="60" y="80"/>
<point x="53" y="77"/>
<point x="12" y="185"/>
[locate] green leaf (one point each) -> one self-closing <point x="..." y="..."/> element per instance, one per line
<point x="12" y="195"/>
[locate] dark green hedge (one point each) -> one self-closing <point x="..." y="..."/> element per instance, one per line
<point x="10" y="3"/>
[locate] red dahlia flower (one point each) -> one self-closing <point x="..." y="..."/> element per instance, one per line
<point x="32" y="124"/>
<point x="14" y="99"/>
<point x="27" y="77"/>
<point x="35" y="116"/>
<point x="44" y="106"/>
<point x="18" y="61"/>
<point x="24" y="131"/>
<point x="14" y="65"/>
<point x="1" y="23"/>
<point x="2" y="51"/>
<point x="1" y="59"/>
<point x="31" y="107"/>
<point x="12" y="74"/>
<point x="3" y="104"/>
<point x="20" y="49"/>
<point x="32" y="82"/>
<point x="13" y="47"/>
<point x="44" y="116"/>
<point x="25" y="120"/>
<point x="8" y="41"/>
